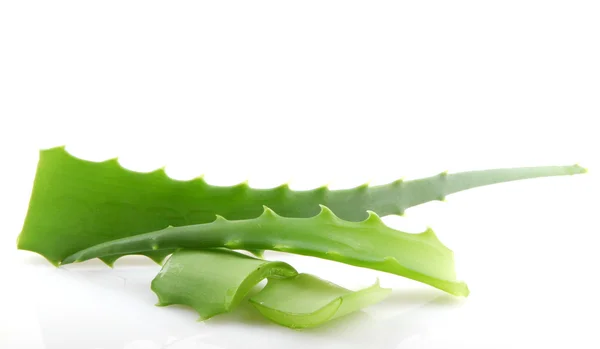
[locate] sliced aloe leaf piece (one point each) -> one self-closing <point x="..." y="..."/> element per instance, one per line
<point x="305" y="301"/>
<point x="213" y="281"/>
<point x="76" y="203"/>
<point x="369" y="244"/>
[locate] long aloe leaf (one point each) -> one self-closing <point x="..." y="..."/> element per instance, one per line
<point x="76" y="203"/>
<point x="304" y="300"/>
<point x="213" y="281"/>
<point x="369" y="243"/>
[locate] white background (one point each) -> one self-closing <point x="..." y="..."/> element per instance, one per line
<point x="315" y="92"/>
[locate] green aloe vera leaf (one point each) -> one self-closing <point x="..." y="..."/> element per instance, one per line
<point x="369" y="243"/>
<point x="212" y="281"/>
<point x="76" y="203"/>
<point x="305" y="301"/>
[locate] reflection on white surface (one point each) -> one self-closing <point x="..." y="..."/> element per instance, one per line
<point x="360" y="330"/>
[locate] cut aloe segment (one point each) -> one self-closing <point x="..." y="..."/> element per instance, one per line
<point x="212" y="281"/>
<point x="304" y="300"/>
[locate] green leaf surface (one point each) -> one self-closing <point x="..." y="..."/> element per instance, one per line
<point x="369" y="243"/>
<point x="212" y="281"/>
<point x="305" y="301"/>
<point x="77" y="203"/>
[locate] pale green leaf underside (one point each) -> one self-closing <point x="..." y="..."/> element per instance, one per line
<point x="212" y="281"/>
<point x="305" y="301"/>
<point x="369" y="244"/>
<point x="76" y="203"/>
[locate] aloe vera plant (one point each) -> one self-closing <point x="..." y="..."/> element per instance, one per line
<point x="369" y="243"/>
<point x="76" y="203"/>
<point x="215" y="281"/>
<point x="82" y="209"/>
